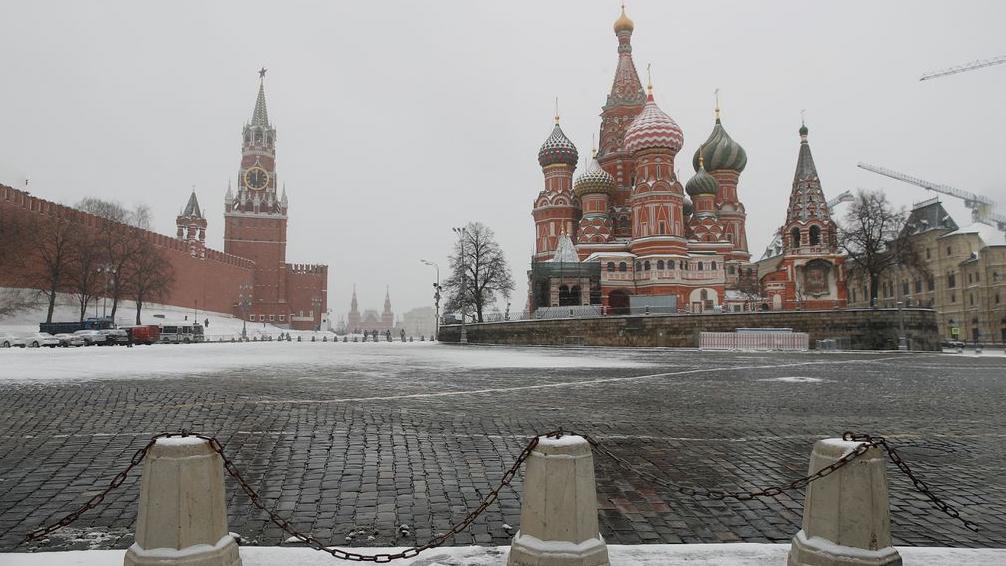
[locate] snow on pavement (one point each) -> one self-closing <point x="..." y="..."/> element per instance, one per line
<point x="735" y="554"/>
<point x="73" y="364"/>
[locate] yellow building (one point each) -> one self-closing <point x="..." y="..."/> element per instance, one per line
<point x="964" y="278"/>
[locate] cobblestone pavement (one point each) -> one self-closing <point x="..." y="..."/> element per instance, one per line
<point x="342" y="450"/>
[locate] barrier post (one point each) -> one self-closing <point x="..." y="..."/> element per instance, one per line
<point x="846" y="515"/>
<point x="182" y="519"/>
<point x="558" y="517"/>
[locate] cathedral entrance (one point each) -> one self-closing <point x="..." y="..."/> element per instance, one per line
<point x="618" y="302"/>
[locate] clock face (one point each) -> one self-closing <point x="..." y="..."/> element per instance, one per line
<point x="256" y="178"/>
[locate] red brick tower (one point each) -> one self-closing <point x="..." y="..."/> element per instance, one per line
<point x="556" y="211"/>
<point x="653" y="139"/>
<point x="255" y="218"/>
<point x="388" y="316"/>
<point x="192" y="227"/>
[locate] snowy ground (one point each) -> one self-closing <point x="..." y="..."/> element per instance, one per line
<point x="392" y="359"/>
<point x="739" y="554"/>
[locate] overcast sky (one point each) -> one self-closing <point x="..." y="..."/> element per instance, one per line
<point x="398" y="120"/>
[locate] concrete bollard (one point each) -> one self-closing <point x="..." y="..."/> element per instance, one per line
<point x="182" y="518"/>
<point x="846" y="516"/>
<point x="558" y="516"/>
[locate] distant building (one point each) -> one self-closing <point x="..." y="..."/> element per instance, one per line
<point x="370" y="320"/>
<point x="963" y="276"/>
<point x="810" y="271"/>
<point x="419" y="322"/>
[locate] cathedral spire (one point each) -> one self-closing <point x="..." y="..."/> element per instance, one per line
<point x="353" y="304"/>
<point x="805" y="168"/>
<point x="192" y="209"/>
<point x="387" y="299"/>
<point x="626" y="89"/>
<point x="260" y="117"/>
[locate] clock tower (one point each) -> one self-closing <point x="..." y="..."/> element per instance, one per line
<point x="255" y="217"/>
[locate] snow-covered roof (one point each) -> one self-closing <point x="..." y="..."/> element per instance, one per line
<point x="989" y="234"/>
<point x="566" y="253"/>
<point x="597" y="256"/>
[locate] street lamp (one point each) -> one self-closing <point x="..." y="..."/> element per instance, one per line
<point x="109" y="271"/>
<point x="244" y="301"/>
<point x="436" y="299"/>
<point x="461" y="232"/>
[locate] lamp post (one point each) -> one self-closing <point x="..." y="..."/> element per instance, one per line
<point x="436" y="299"/>
<point x="461" y="232"/>
<point x="108" y="271"/>
<point x="244" y="301"/>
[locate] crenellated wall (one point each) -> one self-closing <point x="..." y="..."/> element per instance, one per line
<point x="209" y="280"/>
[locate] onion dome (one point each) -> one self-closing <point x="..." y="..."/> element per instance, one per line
<point x="653" y="129"/>
<point x="623" y="23"/>
<point x="702" y="183"/>
<point x="803" y="130"/>
<point x="594" y="180"/>
<point x="720" y="151"/>
<point x="557" y="149"/>
<point x="687" y="208"/>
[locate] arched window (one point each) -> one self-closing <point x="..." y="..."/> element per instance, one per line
<point x="815" y="235"/>
<point x="794" y="237"/>
<point x="701" y="266"/>
<point x="622" y="266"/>
<point x="639" y="266"/>
<point x="712" y="266"/>
<point x="646" y="265"/>
<point x="611" y="266"/>
<point x="660" y="264"/>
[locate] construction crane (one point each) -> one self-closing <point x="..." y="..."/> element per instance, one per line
<point x="983" y="209"/>
<point x="976" y="64"/>
<point x="775" y="246"/>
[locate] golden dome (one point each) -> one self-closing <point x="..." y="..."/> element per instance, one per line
<point x="623" y="23"/>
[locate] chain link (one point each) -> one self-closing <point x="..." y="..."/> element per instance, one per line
<point x="866" y="442"/>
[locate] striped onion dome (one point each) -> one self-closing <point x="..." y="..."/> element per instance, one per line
<point x="721" y="152"/>
<point x="557" y="149"/>
<point x="594" y="180"/>
<point x="652" y="129"/>
<point x="702" y="183"/>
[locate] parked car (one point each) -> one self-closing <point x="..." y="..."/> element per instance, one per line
<point x="66" y="340"/>
<point x="115" y="337"/>
<point x="9" y="340"/>
<point x="92" y="337"/>
<point x="39" y="339"/>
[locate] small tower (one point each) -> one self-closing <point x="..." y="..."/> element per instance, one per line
<point x="191" y="226"/>
<point x="353" y="319"/>
<point x="387" y="317"/>
<point x="555" y="210"/>
<point x="725" y="160"/>
<point x="594" y="187"/>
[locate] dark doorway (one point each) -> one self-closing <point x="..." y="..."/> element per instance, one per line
<point x="618" y="302"/>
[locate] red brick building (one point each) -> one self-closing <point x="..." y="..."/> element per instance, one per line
<point x="657" y="248"/>
<point x="810" y="271"/>
<point x="254" y="256"/>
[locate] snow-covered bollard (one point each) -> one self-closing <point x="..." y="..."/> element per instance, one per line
<point x="182" y="517"/>
<point x="846" y="516"/>
<point x="558" y="516"/>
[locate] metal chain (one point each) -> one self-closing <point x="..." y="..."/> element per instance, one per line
<point x="866" y="441"/>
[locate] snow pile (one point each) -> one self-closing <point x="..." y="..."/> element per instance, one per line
<point x="736" y="554"/>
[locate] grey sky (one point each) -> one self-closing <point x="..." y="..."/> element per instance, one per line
<point x="397" y="120"/>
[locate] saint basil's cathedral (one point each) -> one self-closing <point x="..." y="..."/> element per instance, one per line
<point x="623" y="234"/>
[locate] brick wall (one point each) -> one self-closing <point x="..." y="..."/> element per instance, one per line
<point x="866" y="329"/>
<point x="207" y="282"/>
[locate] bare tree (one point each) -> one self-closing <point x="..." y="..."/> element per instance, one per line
<point x="84" y="279"/>
<point x="52" y="239"/>
<point x="150" y="277"/>
<point x="749" y="286"/>
<point x="120" y="246"/>
<point x="874" y="238"/>
<point x="479" y="274"/>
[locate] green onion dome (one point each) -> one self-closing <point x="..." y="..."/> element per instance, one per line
<point x="721" y="152"/>
<point x="702" y="183"/>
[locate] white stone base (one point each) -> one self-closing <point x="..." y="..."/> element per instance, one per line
<point x="223" y="553"/>
<point x="816" y="551"/>
<point x="527" y="550"/>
